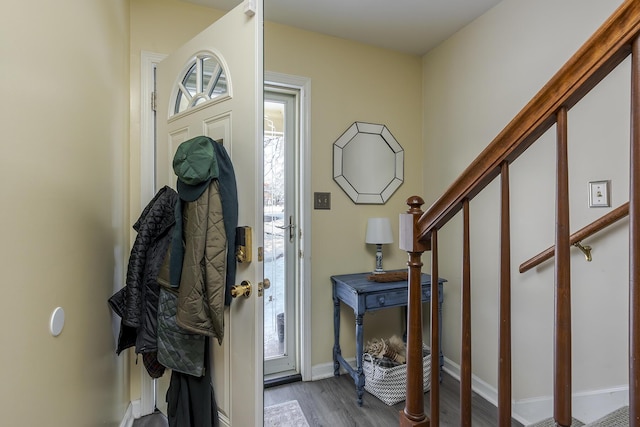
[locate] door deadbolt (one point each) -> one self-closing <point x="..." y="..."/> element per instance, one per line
<point x="243" y="244"/>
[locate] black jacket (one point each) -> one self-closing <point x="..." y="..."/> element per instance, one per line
<point x="137" y="302"/>
<point x="191" y="401"/>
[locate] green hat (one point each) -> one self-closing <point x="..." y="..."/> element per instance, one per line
<point x="195" y="165"/>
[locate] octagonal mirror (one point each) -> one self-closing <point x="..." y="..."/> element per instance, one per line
<point x="368" y="163"/>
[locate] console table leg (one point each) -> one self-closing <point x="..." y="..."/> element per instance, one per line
<point x="336" y="335"/>
<point x="359" y="351"/>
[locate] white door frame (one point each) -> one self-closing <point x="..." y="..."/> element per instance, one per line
<point x="148" y="62"/>
<point x="303" y="86"/>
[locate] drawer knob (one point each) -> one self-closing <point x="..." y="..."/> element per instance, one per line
<point x="381" y="300"/>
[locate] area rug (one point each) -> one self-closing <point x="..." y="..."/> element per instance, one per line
<point x="550" y="422"/>
<point x="617" y="418"/>
<point x="287" y="414"/>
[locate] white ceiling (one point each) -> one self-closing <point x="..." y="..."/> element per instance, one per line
<point x="412" y="26"/>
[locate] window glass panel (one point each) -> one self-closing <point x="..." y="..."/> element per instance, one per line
<point x="204" y="80"/>
<point x="182" y="103"/>
<point x="221" y="86"/>
<point x="189" y="81"/>
<point x="209" y="70"/>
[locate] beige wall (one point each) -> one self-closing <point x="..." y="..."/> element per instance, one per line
<point x="64" y="189"/>
<point x="350" y="82"/>
<point x="474" y="83"/>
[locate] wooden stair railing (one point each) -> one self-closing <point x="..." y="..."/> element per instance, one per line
<point x="616" y="39"/>
<point x="634" y="242"/>
<point x="413" y="413"/>
<point x="601" y="223"/>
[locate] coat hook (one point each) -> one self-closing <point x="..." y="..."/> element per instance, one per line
<point x="586" y="250"/>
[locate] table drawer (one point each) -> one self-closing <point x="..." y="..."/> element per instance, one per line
<point x="391" y="299"/>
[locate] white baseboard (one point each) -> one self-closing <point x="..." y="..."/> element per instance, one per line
<point x="130" y="414"/>
<point x="586" y="406"/>
<point x="325" y="370"/>
<point x="591" y="405"/>
<point x="480" y="387"/>
<point x="224" y="420"/>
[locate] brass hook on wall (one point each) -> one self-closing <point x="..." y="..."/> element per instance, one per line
<point x="586" y="250"/>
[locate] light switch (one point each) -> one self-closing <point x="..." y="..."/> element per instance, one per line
<point x="599" y="194"/>
<point x="321" y="200"/>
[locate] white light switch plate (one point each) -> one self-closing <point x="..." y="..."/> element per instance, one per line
<point x="599" y="194"/>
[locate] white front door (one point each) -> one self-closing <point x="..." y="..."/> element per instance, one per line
<point x="213" y="86"/>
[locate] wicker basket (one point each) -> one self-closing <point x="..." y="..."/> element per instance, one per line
<point x="390" y="384"/>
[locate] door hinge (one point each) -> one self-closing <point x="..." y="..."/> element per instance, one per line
<point x="153" y="101"/>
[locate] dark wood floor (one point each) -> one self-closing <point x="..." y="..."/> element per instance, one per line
<point x="332" y="403"/>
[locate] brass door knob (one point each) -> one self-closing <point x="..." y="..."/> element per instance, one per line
<point x="243" y="289"/>
<point x="265" y="284"/>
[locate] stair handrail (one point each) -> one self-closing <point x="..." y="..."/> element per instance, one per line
<point x="601" y="223"/>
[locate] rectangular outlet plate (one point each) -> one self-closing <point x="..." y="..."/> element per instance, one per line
<point x="321" y="200"/>
<point x="599" y="194"/>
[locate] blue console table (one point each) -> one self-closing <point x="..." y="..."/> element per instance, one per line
<point x="363" y="295"/>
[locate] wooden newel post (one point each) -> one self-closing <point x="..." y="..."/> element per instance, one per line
<point x="413" y="414"/>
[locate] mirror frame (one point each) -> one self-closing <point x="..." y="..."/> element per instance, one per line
<point x="368" y="133"/>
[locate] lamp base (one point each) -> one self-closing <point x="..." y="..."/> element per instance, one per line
<point x="378" y="272"/>
<point x="378" y="269"/>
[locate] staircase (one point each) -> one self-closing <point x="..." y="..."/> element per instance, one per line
<point x="617" y="418"/>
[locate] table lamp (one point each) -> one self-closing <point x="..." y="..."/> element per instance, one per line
<point x="379" y="233"/>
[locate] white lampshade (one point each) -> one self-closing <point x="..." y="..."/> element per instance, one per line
<point x="379" y="231"/>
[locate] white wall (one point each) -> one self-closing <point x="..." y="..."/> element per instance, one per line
<point x="474" y="84"/>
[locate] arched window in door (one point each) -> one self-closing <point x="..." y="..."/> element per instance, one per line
<point x="205" y="79"/>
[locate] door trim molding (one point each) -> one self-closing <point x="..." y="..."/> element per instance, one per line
<point x="303" y="85"/>
<point x="148" y="61"/>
